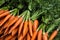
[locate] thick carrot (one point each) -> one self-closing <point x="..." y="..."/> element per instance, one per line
<point x="35" y="25"/>
<point x="5" y="19"/>
<point x="16" y="24"/>
<point x="11" y="23"/>
<point x="30" y="27"/>
<point x="28" y="37"/>
<point x="39" y="37"/>
<point x="34" y="35"/>
<point x="53" y="35"/>
<point x="4" y="14"/>
<point x="14" y="31"/>
<point x="45" y="36"/>
<point x="25" y="29"/>
<point x="20" y="28"/>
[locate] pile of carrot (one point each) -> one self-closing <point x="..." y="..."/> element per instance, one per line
<point x="23" y="26"/>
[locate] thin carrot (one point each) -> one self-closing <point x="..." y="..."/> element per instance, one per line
<point x="8" y="37"/>
<point x="39" y="37"/>
<point x="25" y="38"/>
<point x="25" y="30"/>
<point x="7" y="23"/>
<point x="30" y="27"/>
<point x="21" y="37"/>
<point x="11" y="23"/>
<point x="1" y="12"/>
<point x="16" y="24"/>
<point x="4" y="14"/>
<point x="5" y="19"/>
<point x="34" y="35"/>
<point x="14" y="31"/>
<point x="35" y="25"/>
<point x="53" y="35"/>
<point x="20" y="28"/>
<point x="14" y="38"/>
<point x="28" y="37"/>
<point x="45" y="36"/>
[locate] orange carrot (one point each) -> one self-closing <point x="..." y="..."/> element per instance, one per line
<point x="11" y="23"/>
<point x="21" y="37"/>
<point x="4" y="14"/>
<point x="34" y="35"/>
<point x="1" y="38"/>
<point x="30" y="27"/>
<point x="14" y="31"/>
<point x="39" y="35"/>
<point x="45" y="36"/>
<point x="25" y="30"/>
<point x="1" y="12"/>
<point x="7" y="23"/>
<point x="28" y="37"/>
<point x="25" y="38"/>
<point x="20" y="28"/>
<point x="53" y="35"/>
<point x="8" y="37"/>
<point x="16" y="24"/>
<point x="35" y="25"/>
<point x="14" y="38"/>
<point x="5" y="19"/>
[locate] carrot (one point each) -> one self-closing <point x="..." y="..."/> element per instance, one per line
<point x="39" y="37"/>
<point x="45" y="36"/>
<point x="34" y="35"/>
<point x="25" y="38"/>
<point x="20" y="28"/>
<point x="8" y="37"/>
<point x="7" y="23"/>
<point x="21" y="37"/>
<point x="1" y="32"/>
<point x="1" y="39"/>
<point x="28" y="37"/>
<point x="35" y="25"/>
<point x="25" y="30"/>
<point x="14" y="31"/>
<point x="14" y="38"/>
<point x="11" y="23"/>
<point x="5" y="19"/>
<point x="30" y="27"/>
<point x="4" y="14"/>
<point x="16" y="24"/>
<point x="1" y="11"/>
<point x="53" y="35"/>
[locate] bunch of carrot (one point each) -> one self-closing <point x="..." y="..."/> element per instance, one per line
<point x="23" y="26"/>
